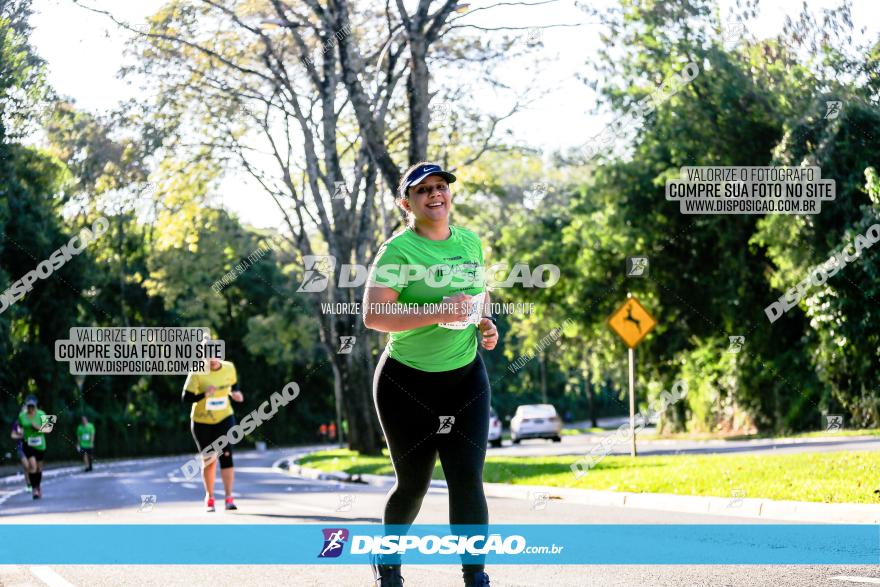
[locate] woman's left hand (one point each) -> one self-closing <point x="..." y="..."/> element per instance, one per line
<point x="237" y="396"/>
<point x="489" y="334"/>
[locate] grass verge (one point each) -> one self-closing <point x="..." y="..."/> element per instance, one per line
<point x="711" y="436"/>
<point x="833" y="477"/>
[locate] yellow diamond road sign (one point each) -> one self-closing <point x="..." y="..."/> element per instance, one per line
<point x="631" y="322"/>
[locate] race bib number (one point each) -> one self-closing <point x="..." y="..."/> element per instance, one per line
<point x="86" y="436"/>
<point x="475" y="314"/>
<point x="216" y="403"/>
<point x="35" y="441"/>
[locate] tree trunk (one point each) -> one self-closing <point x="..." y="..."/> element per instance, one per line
<point x="417" y="93"/>
<point x="353" y="384"/>
<point x="588" y="389"/>
<point x="352" y="380"/>
<point x="542" y="362"/>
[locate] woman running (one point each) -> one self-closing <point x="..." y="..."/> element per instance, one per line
<point x="33" y="443"/>
<point x="430" y="387"/>
<point x="212" y="417"/>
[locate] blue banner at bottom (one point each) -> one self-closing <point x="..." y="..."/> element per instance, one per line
<point x="559" y="544"/>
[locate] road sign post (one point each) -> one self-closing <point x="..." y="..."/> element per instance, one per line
<point x="632" y="401"/>
<point x="631" y="322"/>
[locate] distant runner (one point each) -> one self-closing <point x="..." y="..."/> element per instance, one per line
<point x="34" y="443"/>
<point x="85" y="437"/>
<point x="17" y="435"/>
<point x="212" y="417"/>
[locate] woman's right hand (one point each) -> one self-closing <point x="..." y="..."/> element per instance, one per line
<point x="209" y="391"/>
<point x="455" y="308"/>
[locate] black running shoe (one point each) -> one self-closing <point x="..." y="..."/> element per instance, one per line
<point x="478" y="579"/>
<point x="386" y="575"/>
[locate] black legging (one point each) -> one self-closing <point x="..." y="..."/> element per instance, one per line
<point x="410" y="404"/>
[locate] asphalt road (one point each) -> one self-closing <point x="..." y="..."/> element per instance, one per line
<point x="266" y="495"/>
<point x="579" y="444"/>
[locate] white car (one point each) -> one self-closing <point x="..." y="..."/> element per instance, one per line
<point x="494" y="429"/>
<point x="535" y="421"/>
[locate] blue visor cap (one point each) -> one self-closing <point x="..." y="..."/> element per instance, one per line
<point x="417" y="175"/>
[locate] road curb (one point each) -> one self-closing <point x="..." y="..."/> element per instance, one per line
<point x="765" y="509"/>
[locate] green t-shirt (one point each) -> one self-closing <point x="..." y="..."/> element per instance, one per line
<point x="32" y="437"/>
<point x="86" y="435"/>
<point x="450" y="266"/>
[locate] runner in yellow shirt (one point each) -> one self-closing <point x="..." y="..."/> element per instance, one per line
<point x="210" y="394"/>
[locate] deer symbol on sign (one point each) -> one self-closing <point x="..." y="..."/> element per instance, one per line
<point x="629" y="318"/>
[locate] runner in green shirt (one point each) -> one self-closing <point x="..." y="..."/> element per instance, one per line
<point x="33" y="442"/>
<point x="426" y="290"/>
<point x="85" y="438"/>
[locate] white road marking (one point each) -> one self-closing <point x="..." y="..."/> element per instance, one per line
<point x="871" y="580"/>
<point x="50" y="577"/>
<point x="4" y="496"/>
